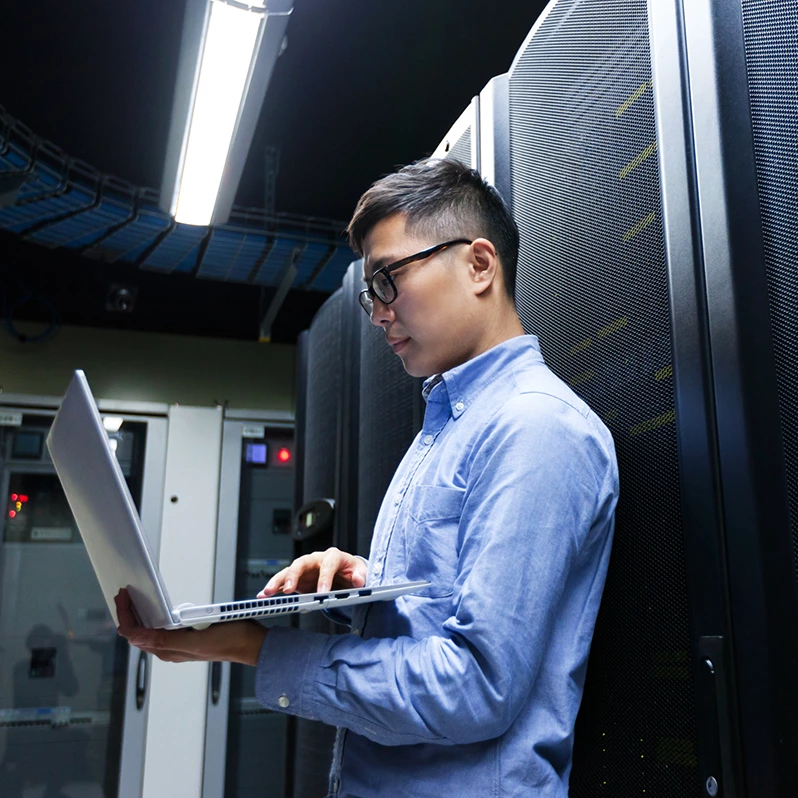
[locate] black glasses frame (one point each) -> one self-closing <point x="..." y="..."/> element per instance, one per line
<point x="386" y="290"/>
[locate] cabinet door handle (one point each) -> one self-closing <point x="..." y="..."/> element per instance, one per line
<point x="713" y="696"/>
<point x="141" y="680"/>
<point x="216" y="682"/>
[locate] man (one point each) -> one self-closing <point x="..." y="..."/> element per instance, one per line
<point x="504" y="503"/>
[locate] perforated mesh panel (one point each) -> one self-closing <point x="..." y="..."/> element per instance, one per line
<point x="387" y="424"/>
<point x="461" y="150"/>
<point x="592" y="284"/>
<point x="771" y="45"/>
<point x="323" y="400"/>
<point x="314" y="740"/>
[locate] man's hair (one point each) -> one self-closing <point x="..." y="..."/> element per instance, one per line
<point x="443" y="199"/>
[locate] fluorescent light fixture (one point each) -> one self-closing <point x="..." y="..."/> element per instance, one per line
<point x="227" y="56"/>
<point x="112" y="423"/>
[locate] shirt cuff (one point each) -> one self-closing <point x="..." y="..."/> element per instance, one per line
<point x="287" y="664"/>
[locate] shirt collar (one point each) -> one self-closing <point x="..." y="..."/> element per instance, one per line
<point x="463" y="383"/>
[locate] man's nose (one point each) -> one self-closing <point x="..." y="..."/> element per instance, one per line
<point x="381" y="314"/>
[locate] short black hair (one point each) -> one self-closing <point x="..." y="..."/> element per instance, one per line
<point x="442" y="198"/>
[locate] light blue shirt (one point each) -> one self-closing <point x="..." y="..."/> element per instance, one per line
<point x="505" y="503"/>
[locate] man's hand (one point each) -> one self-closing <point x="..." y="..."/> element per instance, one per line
<point x="233" y="641"/>
<point x="318" y="572"/>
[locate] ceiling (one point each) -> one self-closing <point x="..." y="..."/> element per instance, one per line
<point x="363" y="86"/>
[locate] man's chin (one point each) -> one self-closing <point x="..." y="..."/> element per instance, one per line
<point x="413" y="369"/>
<point x="411" y="363"/>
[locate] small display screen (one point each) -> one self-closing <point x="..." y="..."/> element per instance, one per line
<point x="27" y="445"/>
<point x="257" y="453"/>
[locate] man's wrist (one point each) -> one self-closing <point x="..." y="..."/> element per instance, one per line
<point x="252" y="642"/>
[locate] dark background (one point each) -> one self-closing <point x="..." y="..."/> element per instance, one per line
<point x="364" y="86"/>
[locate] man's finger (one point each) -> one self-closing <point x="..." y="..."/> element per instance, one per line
<point x="294" y="572"/>
<point x="147" y="638"/>
<point x="298" y="568"/>
<point x="167" y="656"/>
<point x="274" y="585"/>
<point x="124" y="613"/>
<point x="329" y="568"/>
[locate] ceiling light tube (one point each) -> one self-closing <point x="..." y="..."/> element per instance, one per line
<point x="227" y="56"/>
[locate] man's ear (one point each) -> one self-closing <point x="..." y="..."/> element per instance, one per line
<point x="485" y="267"/>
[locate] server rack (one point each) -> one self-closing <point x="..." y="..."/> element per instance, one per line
<point x="648" y="150"/>
<point x="318" y="408"/>
<point x="461" y="141"/>
<point x="652" y="173"/>
<point x="391" y="414"/>
<point x="347" y="445"/>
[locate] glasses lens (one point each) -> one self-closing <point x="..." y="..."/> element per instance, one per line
<point x="382" y="287"/>
<point x="366" y="302"/>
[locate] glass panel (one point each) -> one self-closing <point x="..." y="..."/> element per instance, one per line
<point x="256" y="738"/>
<point x="62" y="667"/>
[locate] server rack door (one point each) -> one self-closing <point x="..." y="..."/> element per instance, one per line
<point x="311" y="742"/>
<point x="73" y="705"/>
<point x="593" y="285"/>
<point x="177" y="693"/>
<point x="742" y="63"/>
<point x="719" y="765"/>
<point x="461" y="142"/>
<point x="346" y="469"/>
<point x="245" y="744"/>
<point x="391" y="414"/>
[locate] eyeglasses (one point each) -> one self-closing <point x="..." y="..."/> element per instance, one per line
<point x="381" y="286"/>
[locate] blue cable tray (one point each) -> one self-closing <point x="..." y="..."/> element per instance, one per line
<point x="84" y="228"/>
<point x="331" y="277"/>
<point x="276" y="261"/>
<point x="67" y="203"/>
<point x="174" y="248"/>
<point x="231" y="256"/>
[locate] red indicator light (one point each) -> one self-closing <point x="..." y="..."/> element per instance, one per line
<point x="23" y="498"/>
<point x="14" y="497"/>
<point x="12" y="513"/>
<point x="284" y="455"/>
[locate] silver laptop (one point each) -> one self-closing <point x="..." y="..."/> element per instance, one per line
<point x="111" y="530"/>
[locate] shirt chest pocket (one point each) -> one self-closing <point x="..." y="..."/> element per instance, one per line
<point x="432" y="520"/>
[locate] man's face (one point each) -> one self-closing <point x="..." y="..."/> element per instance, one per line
<point x="433" y="323"/>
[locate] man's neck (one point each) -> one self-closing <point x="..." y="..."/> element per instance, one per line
<point x="506" y="325"/>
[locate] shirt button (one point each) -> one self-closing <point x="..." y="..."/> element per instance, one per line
<point x="428" y="439"/>
<point x="398" y="499"/>
<point x="283" y="701"/>
<point x="356" y="632"/>
<point x="459" y="406"/>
